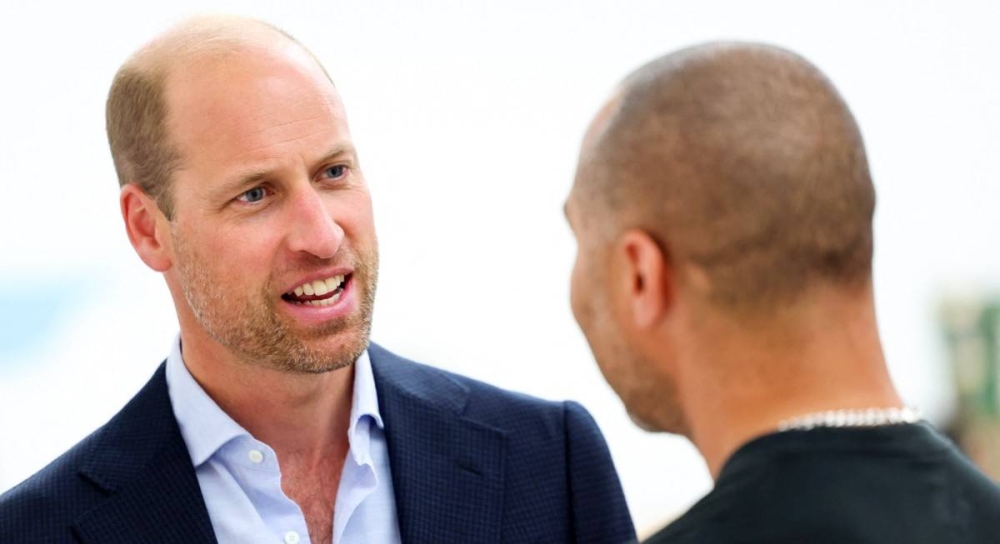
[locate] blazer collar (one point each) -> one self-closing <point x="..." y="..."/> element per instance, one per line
<point x="447" y="468"/>
<point x="140" y="462"/>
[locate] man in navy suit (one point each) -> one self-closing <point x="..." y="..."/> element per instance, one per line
<point x="274" y="419"/>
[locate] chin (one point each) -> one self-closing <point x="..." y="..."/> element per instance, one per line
<point x="656" y="411"/>
<point x="644" y="423"/>
<point x="344" y="343"/>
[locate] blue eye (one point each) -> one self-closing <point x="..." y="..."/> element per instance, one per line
<point x="254" y="195"/>
<point x="336" y="171"/>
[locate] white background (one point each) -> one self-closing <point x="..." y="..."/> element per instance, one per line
<point x="468" y="116"/>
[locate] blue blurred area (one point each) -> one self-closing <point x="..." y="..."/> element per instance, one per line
<point x="30" y="315"/>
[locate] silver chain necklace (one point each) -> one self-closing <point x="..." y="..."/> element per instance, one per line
<point x="871" y="417"/>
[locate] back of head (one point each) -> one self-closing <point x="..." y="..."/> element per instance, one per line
<point x="743" y="161"/>
<point x="137" y="113"/>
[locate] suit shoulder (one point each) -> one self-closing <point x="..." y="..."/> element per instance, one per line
<point x="558" y="475"/>
<point x="51" y="496"/>
<point x="489" y="393"/>
<point x="427" y="381"/>
<point x="42" y="507"/>
<point x="530" y="423"/>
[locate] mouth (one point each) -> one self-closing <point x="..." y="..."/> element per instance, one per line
<point x="323" y="292"/>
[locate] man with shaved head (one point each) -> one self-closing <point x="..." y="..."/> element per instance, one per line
<point x="723" y="212"/>
<point x="274" y="419"/>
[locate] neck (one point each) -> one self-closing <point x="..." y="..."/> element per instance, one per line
<point x="823" y="355"/>
<point x="305" y="416"/>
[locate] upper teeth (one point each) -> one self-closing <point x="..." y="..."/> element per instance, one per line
<point x="319" y="287"/>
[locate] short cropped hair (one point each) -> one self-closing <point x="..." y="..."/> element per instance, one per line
<point x="743" y="160"/>
<point x="138" y="135"/>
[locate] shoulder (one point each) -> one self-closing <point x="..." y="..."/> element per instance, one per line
<point x="842" y="485"/>
<point x="524" y="419"/>
<point x="42" y="508"/>
<point x="399" y="376"/>
<point x="556" y="462"/>
<point x="48" y="501"/>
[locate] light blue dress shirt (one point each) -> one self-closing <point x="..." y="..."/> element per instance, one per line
<point x="240" y="478"/>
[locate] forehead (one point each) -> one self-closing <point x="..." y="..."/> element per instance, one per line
<point x="246" y="105"/>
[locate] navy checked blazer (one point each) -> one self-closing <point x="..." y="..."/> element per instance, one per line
<point x="470" y="463"/>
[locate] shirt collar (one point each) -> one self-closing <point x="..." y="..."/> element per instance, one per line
<point x="365" y="401"/>
<point x="364" y="407"/>
<point x="205" y="427"/>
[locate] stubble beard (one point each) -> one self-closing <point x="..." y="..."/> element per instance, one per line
<point x="650" y="399"/>
<point x="250" y="327"/>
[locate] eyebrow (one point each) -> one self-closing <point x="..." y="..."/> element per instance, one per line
<point x="251" y="178"/>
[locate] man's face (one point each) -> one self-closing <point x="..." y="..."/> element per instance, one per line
<point x="273" y="237"/>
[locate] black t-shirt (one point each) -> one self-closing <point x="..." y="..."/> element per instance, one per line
<point x="898" y="483"/>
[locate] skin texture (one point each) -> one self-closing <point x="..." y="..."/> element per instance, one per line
<point x="723" y="281"/>
<point x="269" y="194"/>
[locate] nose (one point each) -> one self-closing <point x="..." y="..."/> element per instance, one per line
<point x="313" y="229"/>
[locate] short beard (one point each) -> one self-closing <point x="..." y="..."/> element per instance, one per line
<point x="654" y="406"/>
<point x="253" y="330"/>
<point x="651" y="399"/>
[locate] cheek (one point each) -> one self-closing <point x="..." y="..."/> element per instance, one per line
<point x="237" y="254"/>
<point x="584" y="294"/>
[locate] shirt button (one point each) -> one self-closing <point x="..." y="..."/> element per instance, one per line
<point x="291" y="537"/>
<point x="256" y="456"/>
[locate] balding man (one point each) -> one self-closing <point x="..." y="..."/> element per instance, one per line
<point x="273" y="419"/>
<point x="723" y="212"/>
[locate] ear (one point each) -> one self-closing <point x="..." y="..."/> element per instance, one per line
<point x="648" y="279"/>
<point x="147" y="227"/>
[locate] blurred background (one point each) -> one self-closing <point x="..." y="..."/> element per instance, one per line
<point x="468" y="116"/>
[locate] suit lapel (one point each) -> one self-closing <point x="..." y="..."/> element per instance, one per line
<point x="143" y="466"/>
<point x="447" y="470"/>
